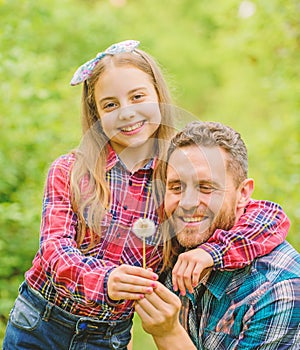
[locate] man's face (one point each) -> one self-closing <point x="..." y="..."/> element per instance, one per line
<point x="200" y="194"/>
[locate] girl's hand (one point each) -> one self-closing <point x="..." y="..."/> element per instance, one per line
<point x="130" y="282"/>
<point x="188" y="269"/>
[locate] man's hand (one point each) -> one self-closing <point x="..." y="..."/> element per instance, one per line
<point x="130" y="282"/>
<point x="159" y="312"/>
<point x="189" y="269"/>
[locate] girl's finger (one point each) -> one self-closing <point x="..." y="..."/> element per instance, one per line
<point x="187" y="278"/>
<point x="196" y="274"/>
<point x="161" y="298"/>
<point x="129" y="296"/>
<point x="136" y="281"/>
<point x="175" y="270"/>
<point x="179" y="277"/>
<point x="138" y="271"/>
<point x="118" y="288"/>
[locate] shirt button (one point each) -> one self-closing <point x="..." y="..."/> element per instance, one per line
<point x="130" y="182"/>
<point x="125" y="207"/>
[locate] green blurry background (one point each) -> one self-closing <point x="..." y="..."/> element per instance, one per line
<point x="232" y="61"/>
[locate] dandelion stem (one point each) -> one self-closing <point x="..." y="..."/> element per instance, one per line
<point x="144" y="253"/>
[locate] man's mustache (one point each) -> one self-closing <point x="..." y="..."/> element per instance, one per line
<point x="196" y="212"/>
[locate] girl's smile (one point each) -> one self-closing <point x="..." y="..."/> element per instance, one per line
<point x="133" y="128"/>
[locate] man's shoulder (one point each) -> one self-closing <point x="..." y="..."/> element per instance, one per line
<point x="267" y="273"/>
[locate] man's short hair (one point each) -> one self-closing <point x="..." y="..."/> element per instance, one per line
<point x="214" y="134"/>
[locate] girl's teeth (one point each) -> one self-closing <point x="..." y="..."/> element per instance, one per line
<point x="133" y="127"/>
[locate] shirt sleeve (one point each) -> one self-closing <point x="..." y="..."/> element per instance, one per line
<point x="262" y="227"/>
<point x="75" y="275"/>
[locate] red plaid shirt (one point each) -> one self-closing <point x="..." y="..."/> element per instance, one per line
<point x="76" y="281"/>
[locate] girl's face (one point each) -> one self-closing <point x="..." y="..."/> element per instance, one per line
<point x="128" y="107"/>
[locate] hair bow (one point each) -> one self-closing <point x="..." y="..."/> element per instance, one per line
<point x="86" y="70"/>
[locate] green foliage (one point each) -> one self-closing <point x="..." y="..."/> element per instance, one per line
<point x="242" y="71"/>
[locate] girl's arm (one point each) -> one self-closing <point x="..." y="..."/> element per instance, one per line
<point x="260" y="229"/>
<point x="72" y="273"/>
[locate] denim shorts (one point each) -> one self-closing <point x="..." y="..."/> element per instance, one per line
<point x="36" y="324"/>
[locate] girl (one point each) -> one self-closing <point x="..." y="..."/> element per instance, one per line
<point x="87" y="273"/>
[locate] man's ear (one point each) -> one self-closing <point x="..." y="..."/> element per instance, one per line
<point x="245" y="191"/>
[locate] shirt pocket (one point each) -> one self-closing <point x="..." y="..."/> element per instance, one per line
<point x="105" y="225"/>
<point x="93" y="242"/>
<point x="24" y="315"/>
<point x="218" y="340"/>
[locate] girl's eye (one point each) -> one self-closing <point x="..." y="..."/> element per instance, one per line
<point x="109" y="106"/>
<point x="137" y="97"/>
<point x="175" y="188"/>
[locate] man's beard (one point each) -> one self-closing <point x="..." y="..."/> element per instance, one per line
<point x="190" y="237"/>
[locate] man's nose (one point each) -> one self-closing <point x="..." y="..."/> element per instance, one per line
<point x="190" y="199"/>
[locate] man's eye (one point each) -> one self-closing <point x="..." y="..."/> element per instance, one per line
<point x="206" y="189"/>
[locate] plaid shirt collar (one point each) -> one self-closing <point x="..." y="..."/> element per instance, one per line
<point x="113" y="159"/>
<point x="230" y="281"/>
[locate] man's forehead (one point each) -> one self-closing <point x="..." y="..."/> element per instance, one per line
<point x="197" y="164"/>
<point x="193" y="155"/>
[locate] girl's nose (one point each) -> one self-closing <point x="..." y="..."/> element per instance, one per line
<point x="127" y="112"/>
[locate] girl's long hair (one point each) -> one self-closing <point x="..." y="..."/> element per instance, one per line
<point x="89" y="188"/>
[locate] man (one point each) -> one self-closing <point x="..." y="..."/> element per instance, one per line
<point x="256" y="307"/>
